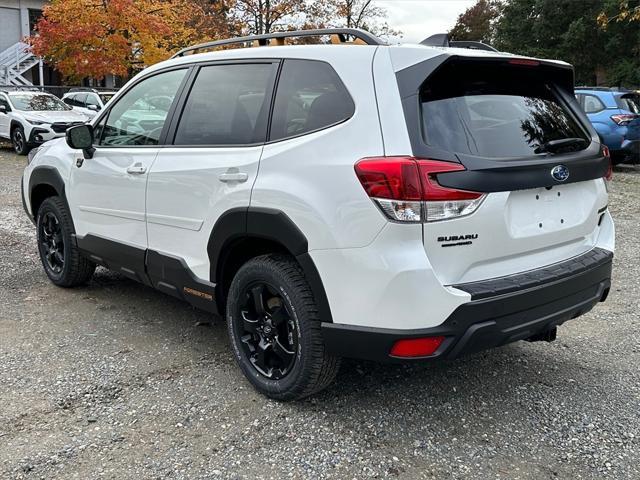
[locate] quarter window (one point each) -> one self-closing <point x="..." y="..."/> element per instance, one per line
<point x="140" y="114"/>
<point x="227" y="105"/>
<point x="80" y="100"/>
<point x="310" y="97"/>
<point x="592" y="104"/>
<point x="92" y="99"/>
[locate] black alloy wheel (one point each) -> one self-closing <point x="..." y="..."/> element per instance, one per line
<point x="268" y="333"/>
<point x="275" y="330"/>
<point x="61" y="259"/>
<point x="19" y="141"/>
<point x="52" y="243"/>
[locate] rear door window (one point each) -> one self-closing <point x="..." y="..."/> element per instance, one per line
<point x="228" y="105"/>
<point x="484" y="114"/>
<point x="310" y="97"/>
<point x="630" y="102"/>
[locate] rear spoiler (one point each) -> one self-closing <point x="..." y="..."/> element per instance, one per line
<point x="442" y="40"/>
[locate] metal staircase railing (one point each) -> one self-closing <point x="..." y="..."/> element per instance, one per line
<point x="14" y="61"/>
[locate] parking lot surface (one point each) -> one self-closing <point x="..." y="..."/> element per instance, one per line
<point x="115" y="380"/>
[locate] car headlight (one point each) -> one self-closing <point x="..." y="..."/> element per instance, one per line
<point x="38" y="122"/>
<point x="32" y="154"/>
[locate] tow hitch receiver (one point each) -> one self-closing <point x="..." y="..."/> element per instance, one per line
<point x="545" y="336"/>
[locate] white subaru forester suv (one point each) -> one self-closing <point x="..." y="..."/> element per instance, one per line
<point x="352" y="199"/>
<point x="29" y="118"/>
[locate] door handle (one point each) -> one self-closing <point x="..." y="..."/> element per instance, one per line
<point x="231" y="176"/>
<point x="137" y="169"/>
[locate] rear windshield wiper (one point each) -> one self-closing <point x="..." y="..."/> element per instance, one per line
<point x="555" y="145"/>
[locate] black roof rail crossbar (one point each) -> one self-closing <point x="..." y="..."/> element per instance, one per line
<point x="442" y="40"/>
<point x="263" y="40"/>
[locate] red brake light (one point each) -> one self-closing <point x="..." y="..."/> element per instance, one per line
<point x="395" y="178"/>
<point x="524" y="62"/>
<point x="416" y="347"/>
<point x="408" y="178"/>
<point x="432" y="190"/>
<point x="609" y="175"/>
<point x="406" y="189"/>
<point x="624" y="118"/>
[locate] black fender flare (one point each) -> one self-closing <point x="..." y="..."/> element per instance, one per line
<point x="14" y="124"/>
<point x="272" y="225"/>
<point x="46" y="175"/>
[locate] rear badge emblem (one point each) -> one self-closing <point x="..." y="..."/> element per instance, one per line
<point x="560" y="173"/>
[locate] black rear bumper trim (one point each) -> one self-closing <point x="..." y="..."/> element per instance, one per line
<point x="491" y="321"/>
<point x="539" y="276"/>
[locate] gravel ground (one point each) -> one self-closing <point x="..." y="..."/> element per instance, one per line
<point x="115" y="380"/>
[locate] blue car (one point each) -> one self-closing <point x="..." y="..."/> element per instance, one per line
<point x="615" y="115"/>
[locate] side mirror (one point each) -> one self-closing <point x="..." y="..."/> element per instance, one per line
<point x="3" y="109"/>
<point x="80" y="137"/>
<point x="94" y="108"/>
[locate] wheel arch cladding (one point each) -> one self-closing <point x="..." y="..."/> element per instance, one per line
<point x="244" y="233"/>
<point x="44" y="182"/>
<point x="14" y="124"/>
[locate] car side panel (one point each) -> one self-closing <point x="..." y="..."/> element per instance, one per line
<point x="392" y="120"/>
<point x="311" y="178"/>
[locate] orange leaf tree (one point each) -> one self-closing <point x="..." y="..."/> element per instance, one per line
<point x="94" y="38"/>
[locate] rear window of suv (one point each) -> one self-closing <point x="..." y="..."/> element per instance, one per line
<point x="630" y="102"/>
<point x="494" y="113"/>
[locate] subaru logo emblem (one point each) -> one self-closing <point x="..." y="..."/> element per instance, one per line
<point x="560" y="173"/>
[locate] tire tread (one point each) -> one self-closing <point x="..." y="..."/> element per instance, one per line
<point x="80" y="269"/>
<point x="323" y="366"/>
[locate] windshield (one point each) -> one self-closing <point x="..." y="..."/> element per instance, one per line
<point x="485" y="114"/>
<point x="37" y="103"/>
<point x="106" y="97"/>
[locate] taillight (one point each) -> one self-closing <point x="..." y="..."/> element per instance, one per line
<point x="624" y="118"/>
<point x="406" y="189"/>
<point x="607" y="154"/>
<point x="416" y="347"/>
<point x="443" y="203"/>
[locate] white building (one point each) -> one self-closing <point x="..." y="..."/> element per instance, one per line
<point x="17" y="65"/>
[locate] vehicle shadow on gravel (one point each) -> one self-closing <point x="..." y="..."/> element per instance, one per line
<point x="485" y="377"/>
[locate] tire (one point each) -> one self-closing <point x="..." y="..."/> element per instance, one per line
<point x="19" y="141"/>
<point x="64" y="265"/>
<point x="293" y="362"/>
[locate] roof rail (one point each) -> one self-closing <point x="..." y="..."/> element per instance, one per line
<point x="603" y="89"/>
<point x="442" y="40"/>
<point x="83" y="89"/>
<point x="361" y="36"/>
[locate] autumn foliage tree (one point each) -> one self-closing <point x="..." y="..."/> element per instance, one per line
<point x="94" y="38"/>
<point x="266" y="16"/>
<point x="478" y="22"/>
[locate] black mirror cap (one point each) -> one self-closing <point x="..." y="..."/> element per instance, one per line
<point x="80" y="137"/>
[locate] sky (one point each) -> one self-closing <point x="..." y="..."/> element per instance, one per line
<point x="418" y="19"/>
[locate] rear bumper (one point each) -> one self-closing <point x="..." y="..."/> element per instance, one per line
<point x="501" y="311"/>
<point x="631" y="149"/>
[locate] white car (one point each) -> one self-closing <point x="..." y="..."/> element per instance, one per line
<point x="30" y="118"/>
<point x="391" y="203"/>
<point x="87" y="100"/>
